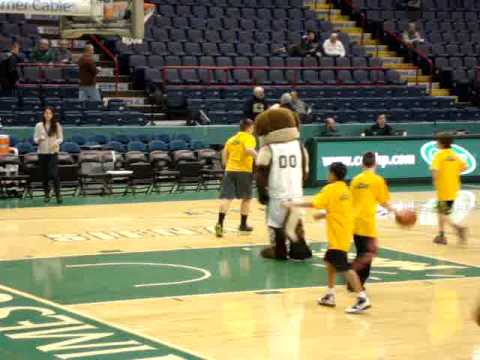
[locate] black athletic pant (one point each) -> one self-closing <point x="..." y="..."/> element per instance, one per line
<point x="49" y="171"/>
<point x="366" y="251"/>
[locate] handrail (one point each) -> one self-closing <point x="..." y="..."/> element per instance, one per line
<point x="112" y="57"/>
<point x="418" y="53"/>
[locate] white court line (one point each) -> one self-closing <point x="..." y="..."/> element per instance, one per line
<point x="253" y="292"/>
<point x="383" y="272"/>
<point x="94" y="318"/>
<point x="206" y="273"/>
<point x="445" y="275"/>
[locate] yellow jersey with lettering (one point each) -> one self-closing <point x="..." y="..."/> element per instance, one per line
<point x="336" y="199"/>
<point x="448" y="167"/>
<point x="368" y="189"/>
<point x="237" y="158"/>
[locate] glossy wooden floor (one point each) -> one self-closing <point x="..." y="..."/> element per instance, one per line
<point x="430" y="319"/>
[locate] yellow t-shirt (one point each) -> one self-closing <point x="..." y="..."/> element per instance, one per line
<point x="336" y="199"/>
<point x="368" y="189"/>
<point x="237" y="158"/>
<point x="448" y="166"/>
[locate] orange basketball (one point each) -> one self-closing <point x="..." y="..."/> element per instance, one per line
<point x="406" y="217"/>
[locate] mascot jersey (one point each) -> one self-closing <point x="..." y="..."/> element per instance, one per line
<point x="286" y="174"/>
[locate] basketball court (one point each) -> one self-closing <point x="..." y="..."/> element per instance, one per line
<point x="148" y="280"/>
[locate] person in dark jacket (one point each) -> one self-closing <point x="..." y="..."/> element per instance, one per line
<point x="308" y="46"/>
<point x="9" y="71"/>
<point x="88" y="76"/>
<point x="380" y="128"/>
<point x="256" y="104"/>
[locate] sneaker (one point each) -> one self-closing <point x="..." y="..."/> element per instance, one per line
<point x="440" y="239"/>
<point x="462" y="234"/>
<point x="218" y="231"/>
<point x="362" y="304"/>
<point x="245" y="228"/>
<point x="327" y="300"/>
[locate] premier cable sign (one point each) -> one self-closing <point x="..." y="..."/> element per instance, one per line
<point x="48" y="7"/>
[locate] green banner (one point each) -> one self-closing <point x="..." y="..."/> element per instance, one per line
<point x="397" y="158"/>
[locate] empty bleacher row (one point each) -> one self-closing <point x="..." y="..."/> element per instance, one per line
<point x="354" y="104"/>
<point x="27" y="111"/>
<point x="49" y="74"/>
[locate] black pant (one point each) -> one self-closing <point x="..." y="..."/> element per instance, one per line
<point x="366" y="251"/>
<point x="49" y="170"/>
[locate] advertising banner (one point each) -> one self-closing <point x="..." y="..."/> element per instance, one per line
<point x="406" y="158"/>
<point x="47" y="7"/>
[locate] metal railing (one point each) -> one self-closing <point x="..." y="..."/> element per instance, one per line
<point x="228" y="70"/>
<point x="417" y="52"/>
<point x="111" y="56"/>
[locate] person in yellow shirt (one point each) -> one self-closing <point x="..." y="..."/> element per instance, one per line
<point x="446" y="169"/>
<point x="368" y="189"/>
<point x="336" y="201"/>
<point x="238" y="157"/>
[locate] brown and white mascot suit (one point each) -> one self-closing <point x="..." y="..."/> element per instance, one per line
<point x="281" y="169"/>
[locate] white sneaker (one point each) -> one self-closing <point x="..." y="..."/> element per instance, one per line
<point x="362" y="304"/>
<point x="327" y="300"/>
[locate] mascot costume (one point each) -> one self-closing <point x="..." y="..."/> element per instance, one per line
<point x="282" y="168"/>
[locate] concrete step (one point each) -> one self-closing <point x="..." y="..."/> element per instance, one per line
<point x="350" y="30"/>
<point x="110" y="86"/>
<point x="382" y="53"/>
<point x="130" y="101"/>
<point x="440" y="92"/>
<point x="344" y="25"/>
<point x="121" y="78"/>
<point x="358" y="37"/>
<point x="334" y="16"/>
<point x="435" y="85"/>
<point x="413" y="78"/>
<point x="126" y="93"/>
<point x="372" y="49"/>
<point x="410" y="75"/>
<point x="106" y="71"/>
<point x="399" y="66"/>
<point x="392" y="60"/>
<point x="325" y="12"/>
<point x="48" y="30"/>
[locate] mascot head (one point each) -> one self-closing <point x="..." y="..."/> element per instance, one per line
<point x="277" y="125"/>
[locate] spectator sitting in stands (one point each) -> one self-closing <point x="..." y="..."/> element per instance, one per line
<point x="380" y="128"/>
<point x="330" y="128"/>
<point x="8" y="70"/>
<point x="309" y="46"/>
<point x="63" y="54"/>
<point x="411" y="36"/>
<point x="43" y="53"/>
<point x="333" y="47"/>
<point x="300" y="107"/>
<point x="256" y="104"/>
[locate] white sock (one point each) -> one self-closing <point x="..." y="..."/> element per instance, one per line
<point x="331" y="291"/>
<point x="362" y="294"/>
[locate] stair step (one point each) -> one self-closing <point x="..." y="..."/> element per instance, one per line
<point x="320" y="6"/>
<point x="126" y="94"/>
<point x="399" y="66"/>
<point x="121" y="78"/>
<point x="372" y="49"/>
<point x="130" y="101"/>
<point x="48" y="30"/>
<point x="440" y="92"/>
<point x="392" y="60"/>
<point x="382" y="53"/>
<point x="334" y="17"/>
<point x="413" y="78"/>
<point x="426" y="85"/>
<point x="350" y="30"/>
<point x="110" y="86"/>
<point x="358" y="37"/>
<point x="409" y="74"/>
<point x="332" y="12"/>
<point x="345" y="24"/>
<point x="106" y="71"/>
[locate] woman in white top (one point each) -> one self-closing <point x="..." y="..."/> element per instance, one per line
<point x="49" y="135"/>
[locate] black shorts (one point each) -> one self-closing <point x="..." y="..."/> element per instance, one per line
<point x="338" y="259"/>
<point x="237" y="185"/>
<point x="445" y="207"/>
<point x="365" y="244"/>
